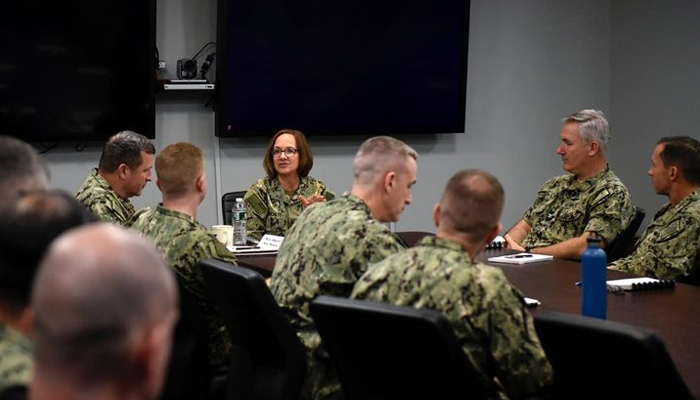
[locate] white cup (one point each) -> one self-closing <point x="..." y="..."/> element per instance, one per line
<point x="223" y="233"/>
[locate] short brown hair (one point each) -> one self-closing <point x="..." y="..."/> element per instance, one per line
<point x="125" y="148"/>
<point x="683" y="152"/>
<point x="306" y="159"/>
<point x="472" y="203"/>
<point x="178" y="166"/>
<point x="21" y="170"/>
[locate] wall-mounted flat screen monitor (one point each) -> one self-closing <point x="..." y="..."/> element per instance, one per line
<point x="350" y="67"/>
<point x="77" y="69"/>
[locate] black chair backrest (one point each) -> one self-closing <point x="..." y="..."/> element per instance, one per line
<point x="227" y="202"/>
<point x="411" y="238"/>
<point x="268" y="360"/>
<point x="189" y="372"/>
<point x="597" y="359"/>
<point x="383" y="351"/>
<point x="624" y="243"/>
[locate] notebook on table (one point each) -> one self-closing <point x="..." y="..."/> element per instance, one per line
<point x="634" y="284"/>
<point x="521" y="258"/>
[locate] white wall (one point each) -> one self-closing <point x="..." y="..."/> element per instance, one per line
<point x="530" y="64"/>
<point x="656" y="85"/>
<point x="183" y="26"/>
<point x="524" y="76"/>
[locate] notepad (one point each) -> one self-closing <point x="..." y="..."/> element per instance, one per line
<point x="521" y="258"/>
<point x="634" y="284"/>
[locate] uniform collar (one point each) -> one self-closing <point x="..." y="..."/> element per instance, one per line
<point x="586" y="184"/>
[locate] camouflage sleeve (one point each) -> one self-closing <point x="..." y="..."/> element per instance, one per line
<point x="15" y="361"/>
<point x="372" y="248"/>
<point x="521" y="364"/>
<point x="220" y="252"/>
<point x="666" y="253"/>
<point x="610" y="213"/>
<point x="15" y="371"/>
<point x="326" y="193"/>
<point x="318" y="187"/>
<point x="256" y="204"/>
<point x="107" y="213"/>
<point x="529" y="216"/>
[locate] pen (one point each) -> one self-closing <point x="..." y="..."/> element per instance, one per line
<point x="520" y="256"/>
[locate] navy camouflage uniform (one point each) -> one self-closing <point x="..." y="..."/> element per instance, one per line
<point x="324" y="253"/>
<point x="97" y="195"/>
<point x="272" y="211"/>
<point x="669" y="247"/>
<point x="184" y="242"/>
<point x="566" y="208"/>
<point x="15" y="359"/>
<point x="488" y="315"/>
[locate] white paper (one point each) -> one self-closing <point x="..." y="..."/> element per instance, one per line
<point x="268" y="244"/>
<point x="521" y="258"/>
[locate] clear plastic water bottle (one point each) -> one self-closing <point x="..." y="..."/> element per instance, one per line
<point x="240" y="214"/>
<point x="594" y="301"/>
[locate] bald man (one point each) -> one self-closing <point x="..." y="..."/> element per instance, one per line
<point x="103" y="324"/>
<point x="488" y="315"/>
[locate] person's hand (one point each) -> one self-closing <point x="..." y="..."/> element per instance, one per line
<point x="311" y="200"/>
<point x="512" y="244"/>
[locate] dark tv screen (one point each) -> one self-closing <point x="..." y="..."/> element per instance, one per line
<point x="77" y="69"/>
<point x="351" y="67"/>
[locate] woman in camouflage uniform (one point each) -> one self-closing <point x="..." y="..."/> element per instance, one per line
<point x="275" y="202"/>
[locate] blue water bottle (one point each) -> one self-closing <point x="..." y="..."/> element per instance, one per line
<point x="594" y="301"/>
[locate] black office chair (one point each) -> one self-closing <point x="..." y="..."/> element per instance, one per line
<point x="597" y="359"/>
<point x="411" y="238"/>
<point x="386" y="352"/>
<point x="623" y="245"/>
<point x="14" y="393"/>
<point x="189" y="374"/>
<point x="228" y="200"/>
<point x="268" y="361"/>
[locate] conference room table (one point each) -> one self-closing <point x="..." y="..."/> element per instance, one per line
<point x="674" y="314"/>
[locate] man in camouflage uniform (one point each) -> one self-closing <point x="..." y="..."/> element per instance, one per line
<point x="184" y="241"/>
<point x="332" y="243"/>
<point x="569" y="208"/>
<point x="26" y="230"/>
<point x="669" y="247"/>
<point x="439" y="273"/>
<point x="105" y="305"/>
<point x="124" y="170"/>
<point x="21" y="170"/>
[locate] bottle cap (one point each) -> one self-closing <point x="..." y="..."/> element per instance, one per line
<point x="594" y="238"/>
